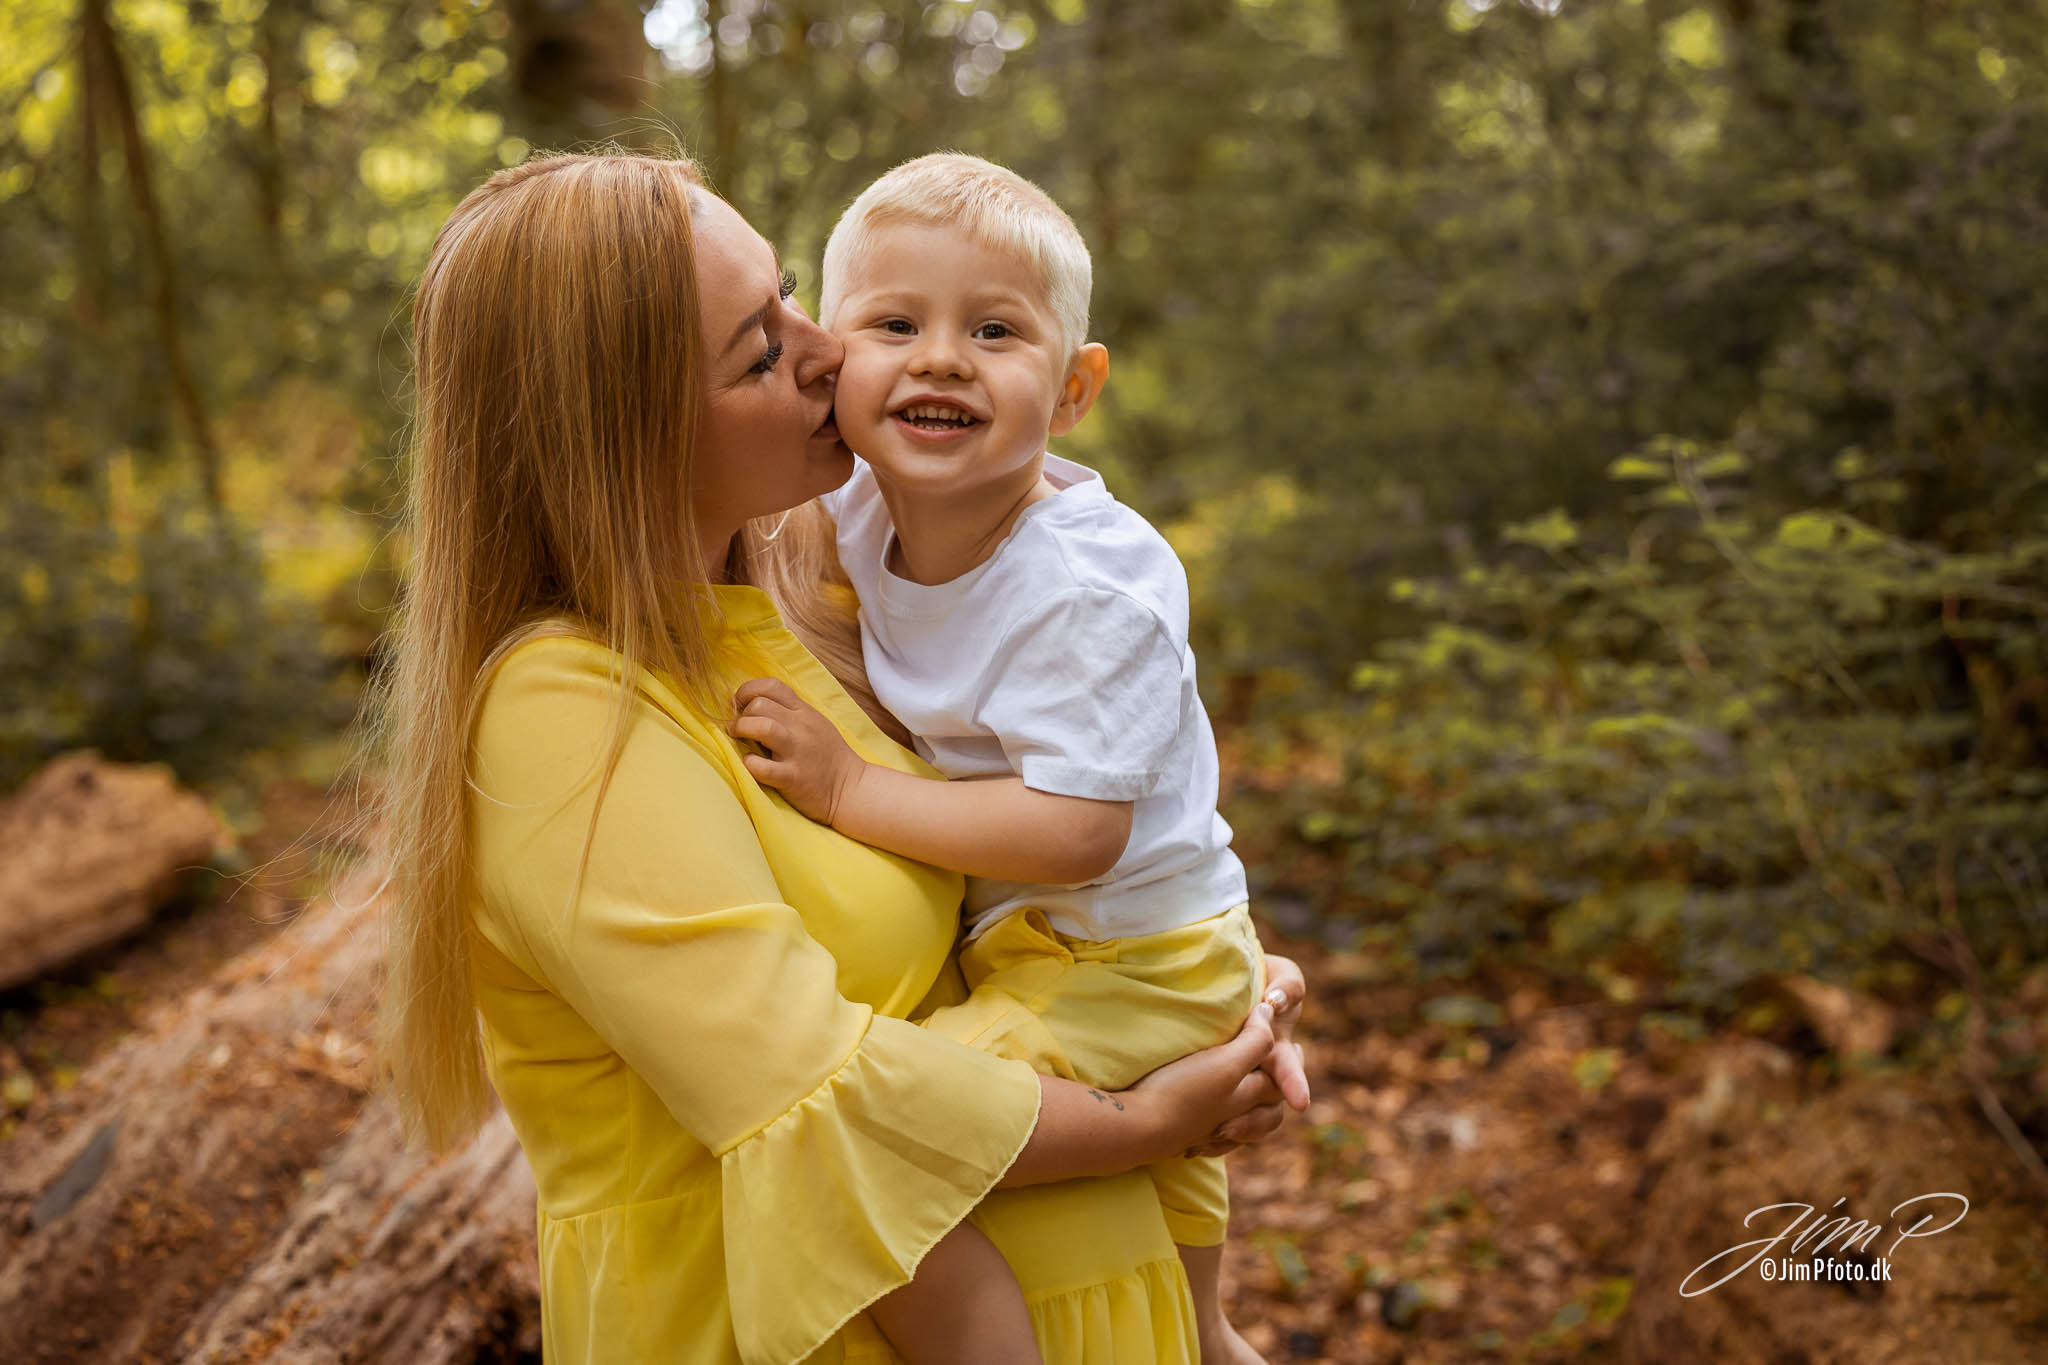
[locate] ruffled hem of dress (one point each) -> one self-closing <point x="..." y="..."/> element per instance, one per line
<point x="1147" y="1315"/>
<point x="1143" y="1318"/>
<point x="838" y="1201"/>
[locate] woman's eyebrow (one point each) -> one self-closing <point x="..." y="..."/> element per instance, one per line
<point x="759" y="315"/>
<point x="749" y="323"/>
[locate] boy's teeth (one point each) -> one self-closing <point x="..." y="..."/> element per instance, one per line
<point x="924" y="412"/>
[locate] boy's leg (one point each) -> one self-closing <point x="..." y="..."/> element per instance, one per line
<point x="1106" y="1014"/>
<point x="1195" y="1196"/>
<point x="963" y="1304"/>
<point x="1221" y="1344"/>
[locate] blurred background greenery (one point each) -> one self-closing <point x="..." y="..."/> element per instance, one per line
<point x="1608" y="438"/>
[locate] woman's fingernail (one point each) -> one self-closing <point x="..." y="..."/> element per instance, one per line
<point x="1276" y="997"/>
<point x="1264" y="1011"/>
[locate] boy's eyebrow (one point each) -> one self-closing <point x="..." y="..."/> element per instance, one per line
<point x="981" y="294"/>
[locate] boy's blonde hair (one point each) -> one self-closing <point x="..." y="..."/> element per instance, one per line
<point x="997" y="207"/>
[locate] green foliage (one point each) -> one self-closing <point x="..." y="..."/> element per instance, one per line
<point x="1613" y="431"/>
<point x="139" y="628"/>
<point x="1736" y="740"/>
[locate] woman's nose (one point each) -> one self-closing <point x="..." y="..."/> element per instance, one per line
<point x="819" y="353"/>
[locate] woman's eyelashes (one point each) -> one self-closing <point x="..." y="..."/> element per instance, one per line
<point x="788" y="283"/>
<point x="767" y="360"/>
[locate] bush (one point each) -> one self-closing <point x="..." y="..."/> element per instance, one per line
<point x="1737" y="740"/>
<point x="134" y="624"/>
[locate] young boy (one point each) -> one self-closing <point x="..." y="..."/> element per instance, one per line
<point x="1031" y="631"/>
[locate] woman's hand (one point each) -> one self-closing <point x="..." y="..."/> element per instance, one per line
<point x="1286" y="989"/>
<point x="1205" y="1104"/>
<point x="1220" y="1097"/>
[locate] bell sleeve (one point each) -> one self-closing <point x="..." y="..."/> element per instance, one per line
<point x="848" y="1143"/>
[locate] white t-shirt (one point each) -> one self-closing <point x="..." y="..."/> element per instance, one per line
<point x="1062" y="659"/>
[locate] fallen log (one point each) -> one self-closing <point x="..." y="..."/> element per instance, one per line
<point x="224" y="1186"/>
<point x="89" y="850"/>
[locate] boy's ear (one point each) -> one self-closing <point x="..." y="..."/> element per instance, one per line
<point x="1083" y="386"/>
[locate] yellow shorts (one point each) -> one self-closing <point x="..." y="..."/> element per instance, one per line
<point x="1105" y="1013"/>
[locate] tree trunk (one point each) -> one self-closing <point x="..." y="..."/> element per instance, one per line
<point x="97" y="32"/>
<point x="92" y="242"/>
<point x="725" y="113"/>
<point x="223" y="1187"/>
<point x="270" y="155"/>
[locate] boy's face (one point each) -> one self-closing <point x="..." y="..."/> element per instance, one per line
<point x="955" y="370"/>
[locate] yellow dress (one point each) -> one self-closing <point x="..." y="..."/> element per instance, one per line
<point x="701" y="1038"/>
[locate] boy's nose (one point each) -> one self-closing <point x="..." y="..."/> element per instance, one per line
<point x="940" y="353"/>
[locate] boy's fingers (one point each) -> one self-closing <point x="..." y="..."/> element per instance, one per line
<point x="763" y="770"/>
<point x="775" y="689"/>
<point x="761" y="693"/>
<point x="762" y="730"/>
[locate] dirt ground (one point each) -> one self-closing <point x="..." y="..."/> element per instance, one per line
<point x="1495" y="1169"/>
<point x="1498" y="1170"/>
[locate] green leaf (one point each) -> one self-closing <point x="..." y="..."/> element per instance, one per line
<point x="1724" y="465"/>
<point x="1610" y="1300"/>
<point x="1595" y="1067"/>
<point x="1807" y="531"/>
<point x="1554" y="530"/>
<point x="1462" y="1011"/>
<point x="1637" y="467"/>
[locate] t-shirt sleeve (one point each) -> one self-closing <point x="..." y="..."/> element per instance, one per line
<point x="848" y="1143"/>
<point x="1084" y="694"/>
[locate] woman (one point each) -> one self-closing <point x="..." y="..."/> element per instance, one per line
<point x="693" y="999"/>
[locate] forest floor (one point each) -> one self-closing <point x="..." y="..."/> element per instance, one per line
<point x="1485" y="1174"/>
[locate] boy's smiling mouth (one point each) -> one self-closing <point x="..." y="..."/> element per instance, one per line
<point x="937" y="417"/>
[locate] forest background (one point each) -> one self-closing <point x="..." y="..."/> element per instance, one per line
<point x="1608" y="441"/>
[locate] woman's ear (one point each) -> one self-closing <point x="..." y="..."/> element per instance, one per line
<point x="1085" y="378"/>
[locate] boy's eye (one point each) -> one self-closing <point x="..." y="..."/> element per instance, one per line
<point x="767" y="360"/>
<point x="992" y="331"/>
<point x="898" y="327"/>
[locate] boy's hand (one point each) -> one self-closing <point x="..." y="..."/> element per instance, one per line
<point x="808" y="760"/>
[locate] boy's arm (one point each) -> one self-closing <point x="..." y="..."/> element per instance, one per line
<point x="996" y="827"/>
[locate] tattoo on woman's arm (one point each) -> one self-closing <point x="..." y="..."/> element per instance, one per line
<point x="1101" y="1098"/>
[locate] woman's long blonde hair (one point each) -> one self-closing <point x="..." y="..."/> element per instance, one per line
<point x="558" y="381"/>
